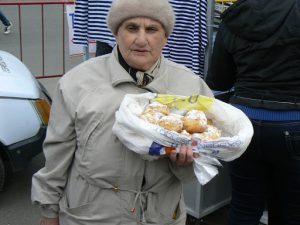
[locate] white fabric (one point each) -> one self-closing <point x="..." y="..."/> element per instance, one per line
<point x="139" y="135"/>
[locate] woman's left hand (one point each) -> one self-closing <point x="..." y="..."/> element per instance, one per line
<point x="184" y="157"/>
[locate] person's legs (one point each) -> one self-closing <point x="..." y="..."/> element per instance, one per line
<point x="249" y="184"/>
<point x="276" y="189"/>
<point x="293" y="204"/>
<point x="280" y="154"/>
<point x="269" y="169"/>
<point x="6" y="23"/>
<point x="4" y="20"/>
<point x="292" y="137"/>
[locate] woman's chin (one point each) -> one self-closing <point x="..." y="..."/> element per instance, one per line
<point x="141" y="65"/>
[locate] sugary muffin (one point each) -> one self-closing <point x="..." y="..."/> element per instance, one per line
<point x="156" y="107"/>
<point x="195" y="121"/>
<point x="152" y="117"/>
<point x="171" y="122"/>
<point x="211" y="133"/>
<point x="185" y="133"/>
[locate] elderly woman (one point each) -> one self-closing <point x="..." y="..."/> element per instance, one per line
<point x="89" y="176"/>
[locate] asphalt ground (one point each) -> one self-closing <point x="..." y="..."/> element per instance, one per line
<point x="15" y="202"/>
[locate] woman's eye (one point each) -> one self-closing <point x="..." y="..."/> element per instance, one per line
<point x="152" y="29"/>
<point x="132" y="28"/>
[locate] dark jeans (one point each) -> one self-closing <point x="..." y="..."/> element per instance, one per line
<point x="4" y="20"/>
<point x="268" y="173"/>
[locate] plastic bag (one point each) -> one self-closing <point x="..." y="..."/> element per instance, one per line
<point x="151" y="141"/>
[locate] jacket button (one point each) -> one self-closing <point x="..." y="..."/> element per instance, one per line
<point x="116" y="188"/>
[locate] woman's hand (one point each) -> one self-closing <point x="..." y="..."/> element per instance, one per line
<point x="49" y="221"/>
<point x="184" y="157"/>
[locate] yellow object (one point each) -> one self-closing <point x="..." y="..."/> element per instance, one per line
<point x="198" y="102"/>
<point x="174" y="216"/>
<point x="42" y="107"/>
<point x="168" y="150"/>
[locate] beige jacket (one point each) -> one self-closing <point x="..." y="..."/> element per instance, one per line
<point x="89" y="176"/>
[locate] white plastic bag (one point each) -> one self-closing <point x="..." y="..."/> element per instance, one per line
<point x="149" y="140"/>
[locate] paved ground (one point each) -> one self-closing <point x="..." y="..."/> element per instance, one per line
<point x="15" y="203"/>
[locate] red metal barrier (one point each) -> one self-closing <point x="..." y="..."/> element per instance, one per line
<point x="42" y="4"/>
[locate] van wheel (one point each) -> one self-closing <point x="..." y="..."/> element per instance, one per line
<point x="2" y="174"/>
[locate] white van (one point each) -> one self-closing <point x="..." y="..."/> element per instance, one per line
<point x="24" y="113"/>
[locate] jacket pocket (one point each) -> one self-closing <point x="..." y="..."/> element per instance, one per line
<point x="81" y="210"/>
<point x="78" y="193"/>
<point x="168" y="211"/>
<point x="293" y="143"/>
<point x="89" y="135"/>
<point x="83" y="201"/>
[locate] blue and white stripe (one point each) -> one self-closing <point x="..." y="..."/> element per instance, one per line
<point x="188" y="42"/>
<point x="90" y="22"/>
<point x="186" y="45"/>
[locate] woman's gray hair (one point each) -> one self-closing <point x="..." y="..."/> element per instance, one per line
<point x="160" y="10"/>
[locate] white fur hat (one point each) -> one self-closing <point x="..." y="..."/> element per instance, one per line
<point x="159" y="10"/>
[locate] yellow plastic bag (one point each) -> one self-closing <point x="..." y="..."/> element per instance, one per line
<point x="198" y="102"/>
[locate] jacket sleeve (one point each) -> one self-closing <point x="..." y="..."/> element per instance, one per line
<point x="222" y="69"/>
<point x="184" y="173"/>
<point x="59" y="147"/>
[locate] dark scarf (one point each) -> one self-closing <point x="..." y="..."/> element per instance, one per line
<point x="140" y="77"/>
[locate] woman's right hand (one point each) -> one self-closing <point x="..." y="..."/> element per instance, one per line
<point x="49" y="221"/>
<point x="184" y="157"/>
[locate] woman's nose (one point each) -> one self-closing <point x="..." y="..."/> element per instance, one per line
<point x="141" y="38"/>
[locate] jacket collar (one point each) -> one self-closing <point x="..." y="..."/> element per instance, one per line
<point x="119" y="75"/>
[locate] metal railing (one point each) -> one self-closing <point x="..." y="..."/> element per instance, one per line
<point x="62" y="39"/>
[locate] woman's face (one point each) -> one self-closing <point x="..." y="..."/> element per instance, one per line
<point x="141" y="41"/>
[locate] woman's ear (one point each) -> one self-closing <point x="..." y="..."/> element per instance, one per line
<point x="116" y="37"/>
<point x="166" y="39"/>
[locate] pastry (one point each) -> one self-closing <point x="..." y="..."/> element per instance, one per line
<point x="194" y="121"/>
<point x="172" y="123"/>
<point x="185" y="133"/>
<point x="152" y="117"/>
<point x="157" y="107"/>
<point x="211" y="133"/>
